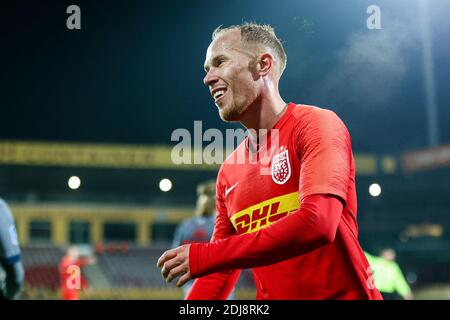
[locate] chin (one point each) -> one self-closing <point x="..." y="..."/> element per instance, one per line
<point x="231" y="113"/>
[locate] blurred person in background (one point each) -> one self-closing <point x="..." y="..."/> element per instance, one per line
<point x="200" y="227"/>
<point x="388" y="276"/>
<point x="12" y="280"/>
<point x="70" y="273"/>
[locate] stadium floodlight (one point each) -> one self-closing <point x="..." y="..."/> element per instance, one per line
<point x="165" y="185"/>
<point x="74" y="182"/>
<point x="375" y="190"/>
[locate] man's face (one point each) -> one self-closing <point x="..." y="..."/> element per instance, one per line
<point x="229" y="75"/>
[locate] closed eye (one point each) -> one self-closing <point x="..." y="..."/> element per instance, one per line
<point x="219" y="60"/>
<point x="216" y="62"/>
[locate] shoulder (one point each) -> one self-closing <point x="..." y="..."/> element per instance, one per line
<point x="306" y="114"/>
<point x="314" y="122"/>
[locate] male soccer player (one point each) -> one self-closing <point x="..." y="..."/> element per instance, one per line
<point x="293" y="219"/>
<point x="10" y="259"/>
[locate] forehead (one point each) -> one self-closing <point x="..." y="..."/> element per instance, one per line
<point x="224" y="43"/>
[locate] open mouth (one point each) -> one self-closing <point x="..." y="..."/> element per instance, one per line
<point x="219" y="94"/>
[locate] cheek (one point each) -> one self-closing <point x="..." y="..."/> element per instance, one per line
<point x="243" y="85"/>
<point x="247" y="91"/>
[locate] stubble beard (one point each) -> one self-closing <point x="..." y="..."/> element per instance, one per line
<point x="231" y="113"/>
<point x="234" y="111"/>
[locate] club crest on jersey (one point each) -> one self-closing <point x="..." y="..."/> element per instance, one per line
<point x="281" y="168"/>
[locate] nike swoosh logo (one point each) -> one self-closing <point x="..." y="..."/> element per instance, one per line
<point x="228" y="190"/>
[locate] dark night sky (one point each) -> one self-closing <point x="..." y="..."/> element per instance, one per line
<point x="134" y="72"/>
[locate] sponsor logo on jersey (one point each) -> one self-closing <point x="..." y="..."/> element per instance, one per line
<point x="263" y="214"/>
<point x="228" y="190"/>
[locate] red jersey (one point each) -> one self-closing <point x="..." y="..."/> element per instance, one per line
<point x="259" y="225"/>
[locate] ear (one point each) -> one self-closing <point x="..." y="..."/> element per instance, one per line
<point x="265" y="64"/>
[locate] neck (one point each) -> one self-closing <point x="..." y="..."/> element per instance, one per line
<point x="265" y="112"/>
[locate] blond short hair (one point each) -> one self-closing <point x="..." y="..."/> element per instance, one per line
<point x="253" y="33"/>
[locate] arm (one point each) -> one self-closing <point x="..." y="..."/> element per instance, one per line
<point x="14" y="280"/>
<point x="401" y="286"/>
<point x="312" y="226"/>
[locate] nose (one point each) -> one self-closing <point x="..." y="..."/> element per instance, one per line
<point x="210" y="79"/>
